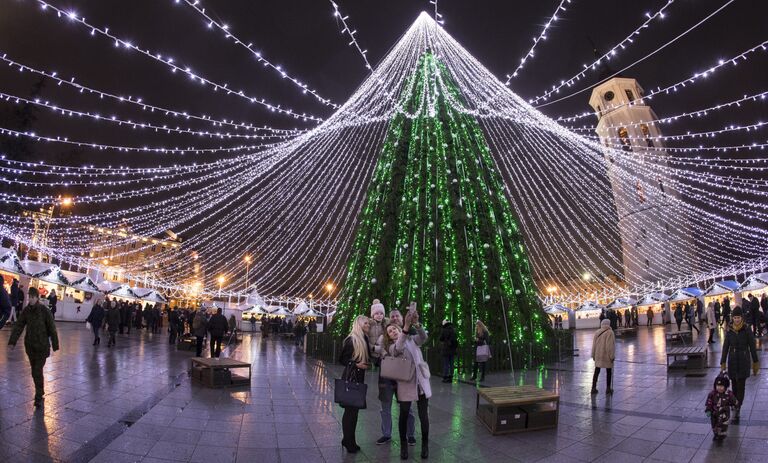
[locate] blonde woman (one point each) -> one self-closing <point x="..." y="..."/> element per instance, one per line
<point x="399" y="343"/>
<point x="355" y="357"/>
<point x="482" y="338"/>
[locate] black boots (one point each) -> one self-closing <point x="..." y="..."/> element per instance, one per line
<point x="424" y="449"/>
<point x="403" y="450"/>
<point x="594" y="383"/>
<point x="736" y="416"/>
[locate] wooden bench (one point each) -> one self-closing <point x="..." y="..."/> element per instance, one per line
<point x="626" y="331"/>
<point x="517" y="408"/>
<point x="694" y="362"/>
<point x="679" y="336"/>
<point x="216" y="372"/>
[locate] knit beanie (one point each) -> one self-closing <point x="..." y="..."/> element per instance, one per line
<point x="377" y="307"/>
<point x="605" y="322"/>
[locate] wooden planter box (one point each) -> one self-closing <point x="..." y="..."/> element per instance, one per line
<point x="517" y="408"/>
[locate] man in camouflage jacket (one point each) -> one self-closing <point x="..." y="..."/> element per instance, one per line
<point x="40" y="337"/>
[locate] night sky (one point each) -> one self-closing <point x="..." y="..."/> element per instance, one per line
<point x="304" y="38"/>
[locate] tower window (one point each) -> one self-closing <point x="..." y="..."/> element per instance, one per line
<point x="666" y="227"/>
<point x="647" y="135"/>
<point x="640" y="191"/>
<point x="644" y="232"/>
<point x="661" y="187"/>
<point x="624" y="138"/>
<point x="647" y="264"/>
<point x="630" y="95"/>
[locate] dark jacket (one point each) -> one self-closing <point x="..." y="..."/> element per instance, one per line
<point x="52" y="299"/>
<point x="482" y="340"/>
<point x="448" y="341"/>
<point x="41" y="331"/>
<point x="199" y="327"/>
<point x="5" y="300"/>
<point x="218" y="325"/>
<point x="96" y="317"/>
<point x="737" y="349"/>
<point x="763" y="301"/>
<point x="351" y="372"/>
<point x="754" y="309"/>
<point x="113" y="319"/>
<point x="15" y="293"/>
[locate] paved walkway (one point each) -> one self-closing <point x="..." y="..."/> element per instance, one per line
<point x="135" y="403"/>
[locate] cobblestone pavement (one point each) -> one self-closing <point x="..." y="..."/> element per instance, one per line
<point x="135" y="403"/>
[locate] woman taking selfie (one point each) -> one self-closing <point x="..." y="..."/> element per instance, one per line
<point x="398" y="343"/>
<point x="355" y="357"/>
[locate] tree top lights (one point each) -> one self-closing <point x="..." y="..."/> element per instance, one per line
<point x="294" y="204"/>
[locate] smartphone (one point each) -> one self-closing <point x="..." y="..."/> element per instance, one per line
<point x="412" y="307"/>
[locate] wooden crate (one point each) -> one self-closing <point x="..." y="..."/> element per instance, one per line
<point x="505" y="409"/>
<point x="216" y="372"/>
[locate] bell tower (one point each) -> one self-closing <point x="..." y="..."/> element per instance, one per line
<point x="652" y="248"/>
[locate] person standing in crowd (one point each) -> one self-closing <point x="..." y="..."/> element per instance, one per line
<point x="16" y="293"/>
<point x="417" y="388"/>
<point x="727" y="311"/>
<point x="299" y="331"/>
<point x="619" y="320"/>
<point x="355" y="356"/>
<point x="217" y="326"/>
<point x="718" y="314"/>
<point x="40" y="337"/>
<point x="96" y="318"/>
<point x="123" y="316"/>
<point x="628" y="318"/>
<point x="113" y="323"/>
<point x="448" y="347"/>
<point x="387" y="390"/>
<point x="690" y="319"/>
<point x="482" y="338"/>
<point x="763" y="304"/>
<point x="232" y="324"/>
<point x="603" y="353"/>
<point x="156" y="319"/>
<point x="649" y="315"/>
<point x="52" y="300"/>
<point x="754" y="311"/>
<point x="198" y="330"/>
<point x="173" y="326"/>
<point x="679" y="316"/>
<point x="699" y="309"/>
<point x="711" y="322"/>
<point x="738" y="349"/>
<point x="5" y="305"/>
<point x="378" y="322"/>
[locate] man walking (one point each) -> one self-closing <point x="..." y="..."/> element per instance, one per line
<point x="199" y="329"/>
<point x="40" y="337"/>
<point x="5" y="305"/>
<point x="217" y="326"/>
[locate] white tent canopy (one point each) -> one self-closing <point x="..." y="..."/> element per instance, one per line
<point x="278" y="310"/>
<point x="254" y="309"/>
<point x="153" y="296"/>
<point x="123" y="291"/>
<point x="652" y="299"/>
<point x="755" y="282"/>
<point x="556" y="309"/>
<point x="685" y="294"/>
<point x="45" y="272"/>
<point x="622" y="303"/>
<point x="301" y="309"/>
<point x="590" y="307"/>
<point x="107" y="286"/>
<point x="9" y="261"/>
<point x="81" y="281"/>
<point x="252" y="297"/>
<point x="722" y="287"/>
<point x="313" y="313"/>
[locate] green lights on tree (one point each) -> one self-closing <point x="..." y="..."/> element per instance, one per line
<point x="437" y="228"/>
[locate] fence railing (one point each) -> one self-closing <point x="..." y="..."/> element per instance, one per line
<point x="323" y="346"/>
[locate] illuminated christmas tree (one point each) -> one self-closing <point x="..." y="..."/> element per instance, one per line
<point x="437" y="228"/>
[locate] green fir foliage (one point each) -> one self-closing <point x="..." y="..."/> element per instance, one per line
<point x="437" y="228"/>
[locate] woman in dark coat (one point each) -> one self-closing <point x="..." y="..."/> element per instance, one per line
<point x="96" y="318"/>
<point x="679" y="315"/>
<point x="113" y="323"/>
<point x="482" y="338"/>
<point x="355" y="355"/>
<point x="738" y="349"/>
<point x="448" y="346"/>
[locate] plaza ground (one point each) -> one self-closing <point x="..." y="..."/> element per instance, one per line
<point x="135" y="403"/>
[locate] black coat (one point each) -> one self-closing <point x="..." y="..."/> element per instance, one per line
<point x="754" y="309"/>
<point x="113" y="319"/>
<point x="351" y="372"/>
<point x="218" y="325"/>
<point x="482" y="340"/>
<point x="737" y="349"/>
<point x="448" y="342"/>
<point x="96" y="317"/>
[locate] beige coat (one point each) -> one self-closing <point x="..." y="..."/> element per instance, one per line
<point x="408" y="347"/>
<point x="604" y="347"/>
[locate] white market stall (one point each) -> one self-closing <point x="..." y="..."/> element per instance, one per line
<point x="621" y="305"/>
<point x="152" y="297"/>
<point x="123" y="293"/>
<point x="653" y="302"/>
<point x="278" y="311"/>
<point x="588" y="315"/>
<point x="251" y="311"/>
<point x="756" y="284"/>
<point x="10" y="267"/>
<point x="563" y="311"/>
<point x="722" y="289"/>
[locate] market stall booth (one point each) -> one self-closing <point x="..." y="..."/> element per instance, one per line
<point x="250" y="317"/>
<point x="555" y="310"/>
<point x="588" y="315"/>
<point x="756" y="284"/>
<point x="681" y="297"/>
<point x="651" y="303"/>
<point x="10" y="268"/>
<point x="722" y="289"/>
<point x="123" y="293"/>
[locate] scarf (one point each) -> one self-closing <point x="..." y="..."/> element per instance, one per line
<point x="737" y="327"/>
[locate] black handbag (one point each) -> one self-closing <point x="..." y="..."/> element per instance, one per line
<point x="348" y="393"/>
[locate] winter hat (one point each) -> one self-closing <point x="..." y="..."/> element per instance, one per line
<point x="377" y="307"/>
<point x="605" y="322"/>
<point x="446" y="321"/>
<point x="722" y="380"/>
<point x="737" y="312"/>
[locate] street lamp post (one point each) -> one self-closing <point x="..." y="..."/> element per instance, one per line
<point x="221" y="281"/>
<point x="247" y="270"/>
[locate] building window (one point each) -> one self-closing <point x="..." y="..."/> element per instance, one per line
<point x="666" y="227"/>
<point x="624" y="138"/>
<point x="647" y="135"/>
<point x="647" y="264"/>
<point x="637" y="245"/>
<point x="154" y="247"/>
<point x="630" y="95"/>
<point x="133" y="245"/>
<point x="644" y="232"/>
<point x="661" y="187"/>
